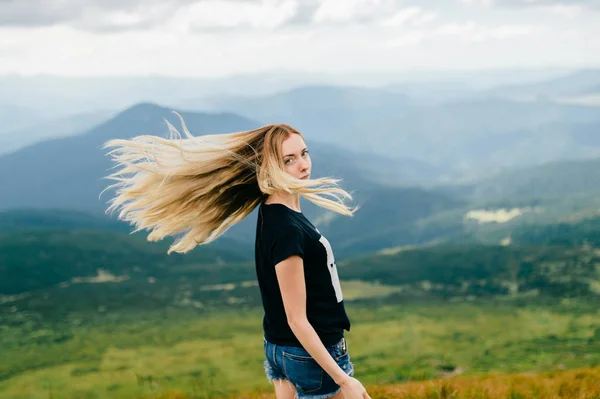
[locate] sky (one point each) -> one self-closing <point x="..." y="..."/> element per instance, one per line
<point x="204" y="38"/>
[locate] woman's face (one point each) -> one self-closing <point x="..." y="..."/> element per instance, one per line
<point x="295" y="157"/>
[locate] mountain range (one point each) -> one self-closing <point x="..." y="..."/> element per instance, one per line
<point x="35" y="130"/>
<point x="449" y="128"/>
<point x="67" y="173"/>
<point x="467" y="137"/>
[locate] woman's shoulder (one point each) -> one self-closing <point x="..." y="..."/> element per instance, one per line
<point x="278" y="207"/>
<point x="279" y="220"/>
<point x="280" y="213"/>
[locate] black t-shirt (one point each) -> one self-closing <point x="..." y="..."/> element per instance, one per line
<point x="280" y="233"/>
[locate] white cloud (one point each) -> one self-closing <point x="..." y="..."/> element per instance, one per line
<point x="409" y="16"/>
<point x="471" y="31"/>
<point x="95" y="19"/>
<point x="411" y="38"/>
<point x="219" y="37"/>
<point x="557" y="4"/>
<point x="570" y="11"/>
<point x="478" y="3"/>
<point x="109" y="15"/>
<point x="349" y="10"/>
<point x="101" y="15"/>
<point x="512" y="31"/>
<point x="118" y="15"/>
<point x="468" y="32"/>
<point x="455" y="28"/>
<point x="424" y="18"/>
<point x="212" y="14"/>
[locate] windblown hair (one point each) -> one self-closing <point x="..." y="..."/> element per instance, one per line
<point x="200" y="186"/>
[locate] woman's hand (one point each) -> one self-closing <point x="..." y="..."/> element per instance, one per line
<point x="353" y="389"/>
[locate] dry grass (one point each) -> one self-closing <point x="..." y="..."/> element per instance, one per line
<point x="581" y="383"/>
<point x="575" y="384"/>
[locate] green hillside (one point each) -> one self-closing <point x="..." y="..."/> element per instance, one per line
<point x="64" y="262"/>
<point x="552" y="180"/>
<point x="27" y="218"/>
<point x="484" y="270"/>
<point x="36" y="259"/>
<point x="68" y="261"/>
<point x="390" y="217"/>
<point x="583" y="233"/>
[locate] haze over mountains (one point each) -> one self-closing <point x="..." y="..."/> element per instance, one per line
<point x="465" y="125"/>
<point x="468" y="138"/>
<point x="43" y="130"/>
<point x="409" y="150"/>
<point x="44" y="96"/>
<point x="68" y="172"/>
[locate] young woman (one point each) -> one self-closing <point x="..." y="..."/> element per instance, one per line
<point x="198" y="187"/>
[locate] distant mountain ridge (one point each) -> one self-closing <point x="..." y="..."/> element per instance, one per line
<point x="453" y="128"/>
<point x="68" y="172"/>
<point x="551" y="180"/>
<point x="462" y="137"/>
<point x="17" y="117"/>
<point x="13" y="140"/>
<point x="573" y="83"/>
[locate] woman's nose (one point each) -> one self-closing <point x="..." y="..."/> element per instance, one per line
<point x="304" y="164"/>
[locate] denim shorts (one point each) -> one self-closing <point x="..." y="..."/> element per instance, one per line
<point x="296" y="365"/>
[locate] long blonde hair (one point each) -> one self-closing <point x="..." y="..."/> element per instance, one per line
<point x="200" y="186"/>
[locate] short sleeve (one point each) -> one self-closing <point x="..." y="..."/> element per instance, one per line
<point x="287" y="242"/>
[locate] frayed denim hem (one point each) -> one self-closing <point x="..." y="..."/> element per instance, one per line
<point x="272" y="375"/>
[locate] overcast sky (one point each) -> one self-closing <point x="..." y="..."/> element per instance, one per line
<point x="221" y="37"/>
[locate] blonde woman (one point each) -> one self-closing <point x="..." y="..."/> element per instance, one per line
<point x="196" y="188"/>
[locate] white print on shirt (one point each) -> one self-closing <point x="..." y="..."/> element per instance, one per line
<point x="335" y="280"/>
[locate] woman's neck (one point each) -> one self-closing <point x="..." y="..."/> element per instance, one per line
<point x="290" y="200"/>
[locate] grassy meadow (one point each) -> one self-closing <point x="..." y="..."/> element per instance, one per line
<point x="208" y="353"/>
<point x="104" y="315"/>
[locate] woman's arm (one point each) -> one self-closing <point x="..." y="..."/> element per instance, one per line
<point x="290" y="275"/>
